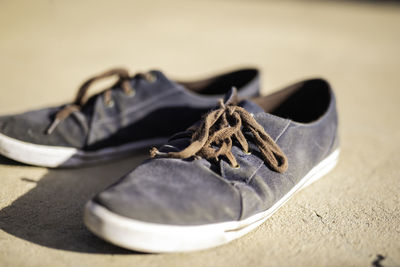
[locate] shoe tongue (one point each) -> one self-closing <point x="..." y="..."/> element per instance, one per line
<point x="182" y="140"/>
<point x="162" y="77"/>
<point x="232" y="98"/>
<point x="251" y="107"/>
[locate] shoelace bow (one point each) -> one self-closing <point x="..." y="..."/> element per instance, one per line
<point x="213" y="138"/>
<point x="81" y="97"/>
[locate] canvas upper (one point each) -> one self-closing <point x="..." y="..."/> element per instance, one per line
<point x="301" y="119"/>
<point x="157" y="109"/>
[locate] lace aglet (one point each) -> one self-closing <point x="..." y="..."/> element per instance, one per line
<point x="53" y="126"/>
<point x="154" y="153"/>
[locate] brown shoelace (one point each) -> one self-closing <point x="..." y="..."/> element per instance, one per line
<point x="81" y="98"/>
<point x="213" y="138"/>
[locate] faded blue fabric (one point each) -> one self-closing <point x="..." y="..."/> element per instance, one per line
<point x="156" y="110"/>
<point x="197" y="191"/>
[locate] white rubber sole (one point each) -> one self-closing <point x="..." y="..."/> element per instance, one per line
<point x="53" y="156"/>
<point x="151" y="237"/>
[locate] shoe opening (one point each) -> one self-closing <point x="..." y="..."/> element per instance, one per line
<point x="223" y="83"/>
<point x="302" y="102"/>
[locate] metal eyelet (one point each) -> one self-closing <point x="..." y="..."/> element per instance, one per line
<point x="151" y="78"/>
<point x="247" y="153"/>
<point x="131" y="93"/>
<point x="110" y="104"/>
<point x="236" y="167"/>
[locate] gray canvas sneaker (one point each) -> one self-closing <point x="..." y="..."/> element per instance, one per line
<point x="225" y="175"/>
<point x="137" y="112"/>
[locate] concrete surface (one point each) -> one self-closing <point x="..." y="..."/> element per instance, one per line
<point x="349" y="218"/>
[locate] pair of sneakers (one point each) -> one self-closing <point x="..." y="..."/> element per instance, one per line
<point x="233" y="159"/>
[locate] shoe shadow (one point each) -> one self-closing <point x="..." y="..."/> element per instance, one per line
<point x="10" y="162"/>
<point x="51" y="213"/>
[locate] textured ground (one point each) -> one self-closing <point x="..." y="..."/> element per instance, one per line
<point x="351" y="217"/>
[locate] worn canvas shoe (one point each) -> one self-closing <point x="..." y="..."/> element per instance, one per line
<point x="225" y="175"/>
<point x="137" y="112"/>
